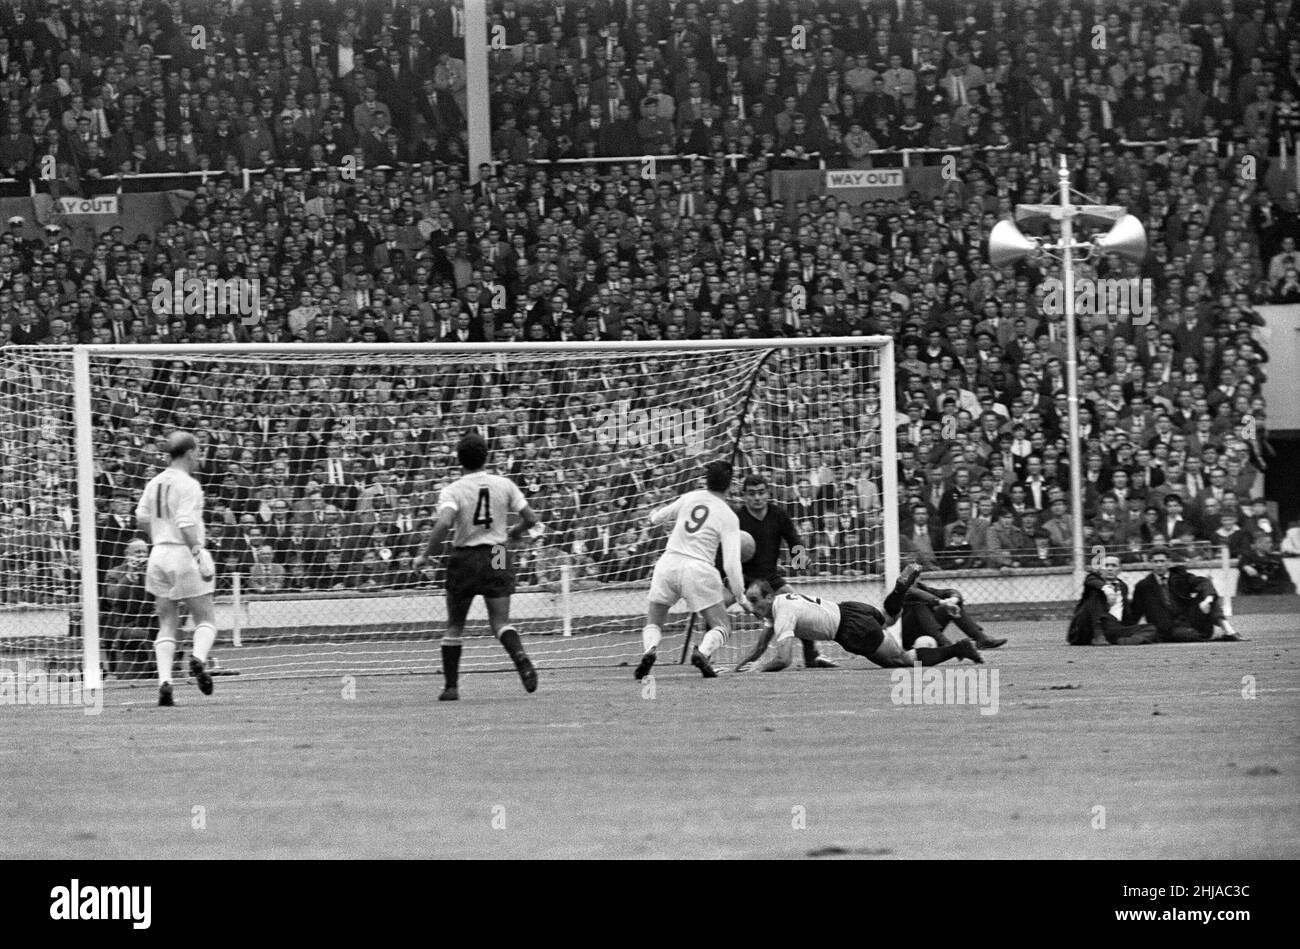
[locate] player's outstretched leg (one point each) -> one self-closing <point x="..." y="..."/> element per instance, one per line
<point x="966" y="623"/>
<point x="933" y="655"/>
<point x="893" y="604"/>
<point x="509" y="637"/>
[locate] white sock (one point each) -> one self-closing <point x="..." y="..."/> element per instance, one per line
<point x="164" y="651"/>
<point x="205" y="634"/>
<point x="711" y="641"/>
<point x="650" y="637"/>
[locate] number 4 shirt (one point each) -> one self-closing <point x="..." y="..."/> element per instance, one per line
<point x="483" y="503"/>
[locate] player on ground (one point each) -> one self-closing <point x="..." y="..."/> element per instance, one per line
<point x="858" y="627"/>
<point x="703" y="520"/>
<point x="180" y="569"/>
<point x="478" y="506"/>
<point x="928" y="612"/>
<point x="769" y="525"/>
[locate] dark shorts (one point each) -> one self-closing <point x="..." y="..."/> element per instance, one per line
<point x="862" y="628"/>
<point x="470" y="573"/>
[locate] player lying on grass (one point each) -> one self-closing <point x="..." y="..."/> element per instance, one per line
<point x="929" y="610"/>
<point x="770" y="525"/>
<point x="180" y="570"/>
<point x="478" y="506"/>
<point x="702" y="521"/>
<point x="859" y="628"/>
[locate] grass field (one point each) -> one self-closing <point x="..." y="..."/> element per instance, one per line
<point x="801" y="763"/>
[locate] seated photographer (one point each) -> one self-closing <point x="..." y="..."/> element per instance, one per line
<point x="1263" y="572"/>
<point x="1101" y="615"/>
<point x="1182" y="606"/>
<point x="127" y="612"/>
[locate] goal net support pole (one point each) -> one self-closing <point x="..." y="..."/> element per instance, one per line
<point x="86" y="516"/>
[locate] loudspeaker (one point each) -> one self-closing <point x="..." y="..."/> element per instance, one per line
<point x="1128" y="238"/>
<point x="1007" y="244"/>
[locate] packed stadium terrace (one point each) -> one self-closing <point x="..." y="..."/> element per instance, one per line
<point x="409" y="250"/>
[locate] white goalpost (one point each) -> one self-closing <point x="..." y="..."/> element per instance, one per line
<point x="322" y="465"/>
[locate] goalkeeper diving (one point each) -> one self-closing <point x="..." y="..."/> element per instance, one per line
<point x="859" y="628"/>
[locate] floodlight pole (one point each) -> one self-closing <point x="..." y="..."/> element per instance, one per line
<point x="1068" y="212"/>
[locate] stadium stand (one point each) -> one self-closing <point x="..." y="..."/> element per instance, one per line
<point x="550" y="247"/>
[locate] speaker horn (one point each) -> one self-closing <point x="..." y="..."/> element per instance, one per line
<point x="1128" y="238"/>
<point x="1007" y="245"/>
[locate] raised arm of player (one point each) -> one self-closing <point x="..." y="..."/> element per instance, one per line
<point x="667" y="514"/>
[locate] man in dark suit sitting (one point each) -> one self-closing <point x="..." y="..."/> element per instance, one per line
<point x="1181" y="606"/>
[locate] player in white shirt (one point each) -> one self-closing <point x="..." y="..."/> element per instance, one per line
<point x="703" y="520"/>
<point x="478" y="506"/>
<point x="859" y="628"/>
<point x="180" y="568"/>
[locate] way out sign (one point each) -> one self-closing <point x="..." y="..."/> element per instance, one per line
<point x="101" y="204"/>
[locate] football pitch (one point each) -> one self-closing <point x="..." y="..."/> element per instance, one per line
<point x="1092" y="753"/>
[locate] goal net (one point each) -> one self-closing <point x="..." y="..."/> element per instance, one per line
<point x="322" y="467"/>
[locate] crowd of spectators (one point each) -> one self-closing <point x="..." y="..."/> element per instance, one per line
<point x="410" y="248"/>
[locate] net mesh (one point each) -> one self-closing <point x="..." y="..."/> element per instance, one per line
<point x="322" y="472"/>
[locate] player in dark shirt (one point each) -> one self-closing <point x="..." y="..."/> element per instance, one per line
<point x="770" y="525"/>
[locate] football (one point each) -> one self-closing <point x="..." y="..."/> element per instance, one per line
<point x="746" y="546"/>
<point x="925" y="642"/>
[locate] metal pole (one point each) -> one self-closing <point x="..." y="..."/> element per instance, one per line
<point x="83" y="427"/>
<point x="477" y="86"/>
<point x="1072" y="375"/>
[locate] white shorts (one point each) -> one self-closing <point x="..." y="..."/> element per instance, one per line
<point x="173" y="573"/>
<point x="684" y="578"/>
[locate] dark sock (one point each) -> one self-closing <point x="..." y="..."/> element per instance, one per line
<point x="451" y="664"/>
<point x="809" y="652"/>
<point x="932" y="656"/>
<point x="893" y="604"/>
<point x="510" y="640"/>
